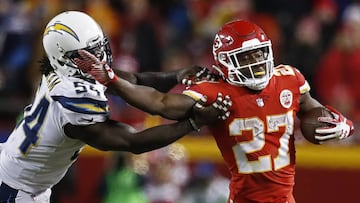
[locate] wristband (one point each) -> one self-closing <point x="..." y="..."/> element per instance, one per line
<point x="114" y="79"/>
<point x="193" y="125"/>
<point x="111" y="81"/>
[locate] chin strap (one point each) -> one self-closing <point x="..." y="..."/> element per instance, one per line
<point x="221" y="74"/>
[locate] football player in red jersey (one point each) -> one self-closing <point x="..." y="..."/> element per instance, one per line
<point x="257" y="140"/>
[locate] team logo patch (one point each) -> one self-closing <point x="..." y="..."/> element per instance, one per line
<point x="286" y="98"/>
<point x="58" y="27"/>
<point x="220" y="39"/>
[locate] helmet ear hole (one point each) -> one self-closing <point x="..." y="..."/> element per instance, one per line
<point x="223" y="57"/>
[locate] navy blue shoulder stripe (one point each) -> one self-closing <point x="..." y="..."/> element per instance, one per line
<point x="83" y="105"/>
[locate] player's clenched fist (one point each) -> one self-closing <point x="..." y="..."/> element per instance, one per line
<point x="219" y="110"/>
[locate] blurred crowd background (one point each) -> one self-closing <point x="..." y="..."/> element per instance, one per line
<point x="319" y="37"/>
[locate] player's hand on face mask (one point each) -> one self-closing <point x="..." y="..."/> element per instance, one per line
<point x="100" y="70"/>
<point x="195" y="73"/>
<point x="339" y="127"/>
<point x="208" y="115"/>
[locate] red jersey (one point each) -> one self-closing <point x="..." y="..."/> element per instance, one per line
<point x="257" y="140"/>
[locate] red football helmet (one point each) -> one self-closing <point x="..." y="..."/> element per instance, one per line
<point x="243" y="54"/>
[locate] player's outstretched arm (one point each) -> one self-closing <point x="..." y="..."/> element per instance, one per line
<point x="170" y="106"/>
<point x="115" y="136"/>
<point x="167" y="105"/>
<point x="162" y="81"/>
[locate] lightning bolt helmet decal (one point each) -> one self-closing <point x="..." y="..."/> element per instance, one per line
<point x="57" y="27"/>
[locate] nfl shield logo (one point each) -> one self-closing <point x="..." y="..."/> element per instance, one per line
<point x="260" y="102"/>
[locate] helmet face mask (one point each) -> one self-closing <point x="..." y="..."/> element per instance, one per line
<point x="244" y="55"/>
<point x="100" y="50"/>
<point x="69" y="32"/>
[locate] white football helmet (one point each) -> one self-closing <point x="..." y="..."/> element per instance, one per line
<point x="243" y="54"/>
<point x="68" y="32"/>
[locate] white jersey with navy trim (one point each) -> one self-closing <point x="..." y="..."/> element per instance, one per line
<point x="37" y="154"/>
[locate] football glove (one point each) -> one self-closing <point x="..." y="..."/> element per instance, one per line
<point x="193" y="74"/>
<point x="204" y="114"/>
<point x="339" y="126"/>
<point x="100" y="70"/>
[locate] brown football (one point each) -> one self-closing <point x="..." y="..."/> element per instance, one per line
<point x="309" y="122"/>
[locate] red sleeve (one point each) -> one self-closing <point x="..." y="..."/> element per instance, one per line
<point x="198" y="90"/>
<point x="303" y="84"/>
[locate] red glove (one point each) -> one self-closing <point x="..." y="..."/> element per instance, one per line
<point x="340" y="127"/>
<point x="96" y="68"/>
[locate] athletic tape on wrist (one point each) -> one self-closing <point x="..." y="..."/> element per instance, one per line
<point x="193" y="124"/>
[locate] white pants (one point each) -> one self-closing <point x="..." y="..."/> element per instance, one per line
<point x="11" y="195"/>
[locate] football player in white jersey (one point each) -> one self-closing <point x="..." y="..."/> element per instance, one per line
<point x="70" y="110"/>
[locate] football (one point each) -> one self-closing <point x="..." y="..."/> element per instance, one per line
<point x="309" y="122"/>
